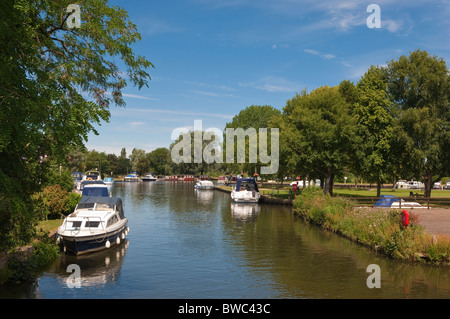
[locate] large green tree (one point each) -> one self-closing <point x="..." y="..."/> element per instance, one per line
<point x="320" y="131"/>
<point x="160" y="161"/>
<point x="374" y="127"/>
<point x="250" y="119"/>
<point x="57" y="82"/>
<point x="419" y="85"/>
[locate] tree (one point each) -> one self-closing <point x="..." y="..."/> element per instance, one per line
<point x="420" y="88"/>
<point x="139" y="162"/>
<point x="56" y="85"/>
<point x="321" y="130"/>
<point x="160" y="161"/>
<point x="374" y="127"/>
<point x="251" y="118"/>
<point x="195" y="157"/>
<point x="123" y="163"/>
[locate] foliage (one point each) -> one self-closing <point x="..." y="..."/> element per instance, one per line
<point x="419" y="86"/>
<point x="319" y="130"/>
<point x="251" y="117"/>
<point x="25" y="268"/>
<point x="374" y="127"/>
<point x="54" y="201"/>
<point x="58" y="176"/>
<point x="160" y="161"/>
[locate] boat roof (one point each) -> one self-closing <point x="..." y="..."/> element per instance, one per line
<point x="246" y="181"/>
<point x="100" y="199"/>
<point x="90" y="201"/>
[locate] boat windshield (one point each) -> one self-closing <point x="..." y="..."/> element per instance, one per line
<point x="95" y="206"/>
<point x="247" y="186"/>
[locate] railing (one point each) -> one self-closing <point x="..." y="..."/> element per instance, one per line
<point x="443" y="202"/>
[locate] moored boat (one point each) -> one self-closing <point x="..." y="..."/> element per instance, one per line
<point x="133" y="177"/>
<point x="204" y="185"/>
<point x="246" y="191"/>
<point x="95" y="188"/>
<point x="148" y="178"/>
<point x="97" y="223"/>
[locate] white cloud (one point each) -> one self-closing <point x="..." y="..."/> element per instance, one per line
<point x="134" y="96"/>
<point x="135" y="124"/>
<point x="273" y="84"/>
<point x="324" y="56"/>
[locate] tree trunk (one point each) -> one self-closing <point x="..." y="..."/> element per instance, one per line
<point x="378" y="188"/>
<point x="329" y="180"/>
<point x="428" y="182"/>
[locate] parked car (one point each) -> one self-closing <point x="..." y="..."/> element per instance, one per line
<point x="437" y="185"/>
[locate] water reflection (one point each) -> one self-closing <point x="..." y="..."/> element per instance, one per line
<point x="245" y="211"/>
<point x="97" y="269"/>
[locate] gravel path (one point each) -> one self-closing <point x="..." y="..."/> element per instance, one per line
<point x="435" y="220"/>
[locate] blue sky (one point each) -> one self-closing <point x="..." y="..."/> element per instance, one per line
<point x="214" y="58"/>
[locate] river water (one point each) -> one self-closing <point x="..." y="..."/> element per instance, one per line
<point x="192" y="244"/>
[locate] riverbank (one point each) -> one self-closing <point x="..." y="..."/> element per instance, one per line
<point x="379" y="229"/>
<point x="25" y="262"/>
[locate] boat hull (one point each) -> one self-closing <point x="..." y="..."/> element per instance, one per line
<point x="246" y="200"/>
<point x="79" y="245"/>
<point x="245" y="197"/>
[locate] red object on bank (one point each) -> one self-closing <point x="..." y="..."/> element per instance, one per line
<point x="405" y="218"/>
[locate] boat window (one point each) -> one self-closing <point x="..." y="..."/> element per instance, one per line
<point x="103" y="206"/>
<point x="112" y="221"/>
<point x="76" y="224"/>
<point x="92" y="224"/>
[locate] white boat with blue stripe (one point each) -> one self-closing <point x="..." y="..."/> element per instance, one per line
<point x="97" y="223"/>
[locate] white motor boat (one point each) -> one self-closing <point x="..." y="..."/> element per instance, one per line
<point x="97" y="223"/>
<point x="133" y="177"/>
<point x="246" y="191"/>
<point x="148" y="178"/>
<point x="204" y="185"/>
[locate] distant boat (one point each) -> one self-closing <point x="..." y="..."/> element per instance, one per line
<point x="133" y="177"/>
<point x="246" y="191"/>
<point x="108" y="180"/>
<point x="204" y="185"/>
<point x="97" y="223"/>
<point x="148" y="178"/>
<point x="91" y="176"/>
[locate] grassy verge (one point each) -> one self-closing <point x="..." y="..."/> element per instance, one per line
<point x="378" y="229"/>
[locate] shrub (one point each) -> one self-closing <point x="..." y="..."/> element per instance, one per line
<point x="25" y="268"/>
<point x="54" y="201"/>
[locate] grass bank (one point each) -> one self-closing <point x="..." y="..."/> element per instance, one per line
<point x="379" y="229"/>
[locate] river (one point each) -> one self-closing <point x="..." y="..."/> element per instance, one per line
<point x="192" y="244"/>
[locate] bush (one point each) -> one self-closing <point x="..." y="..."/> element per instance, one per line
<point x="54" y="201"/>
<point x="22" y="267"/>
